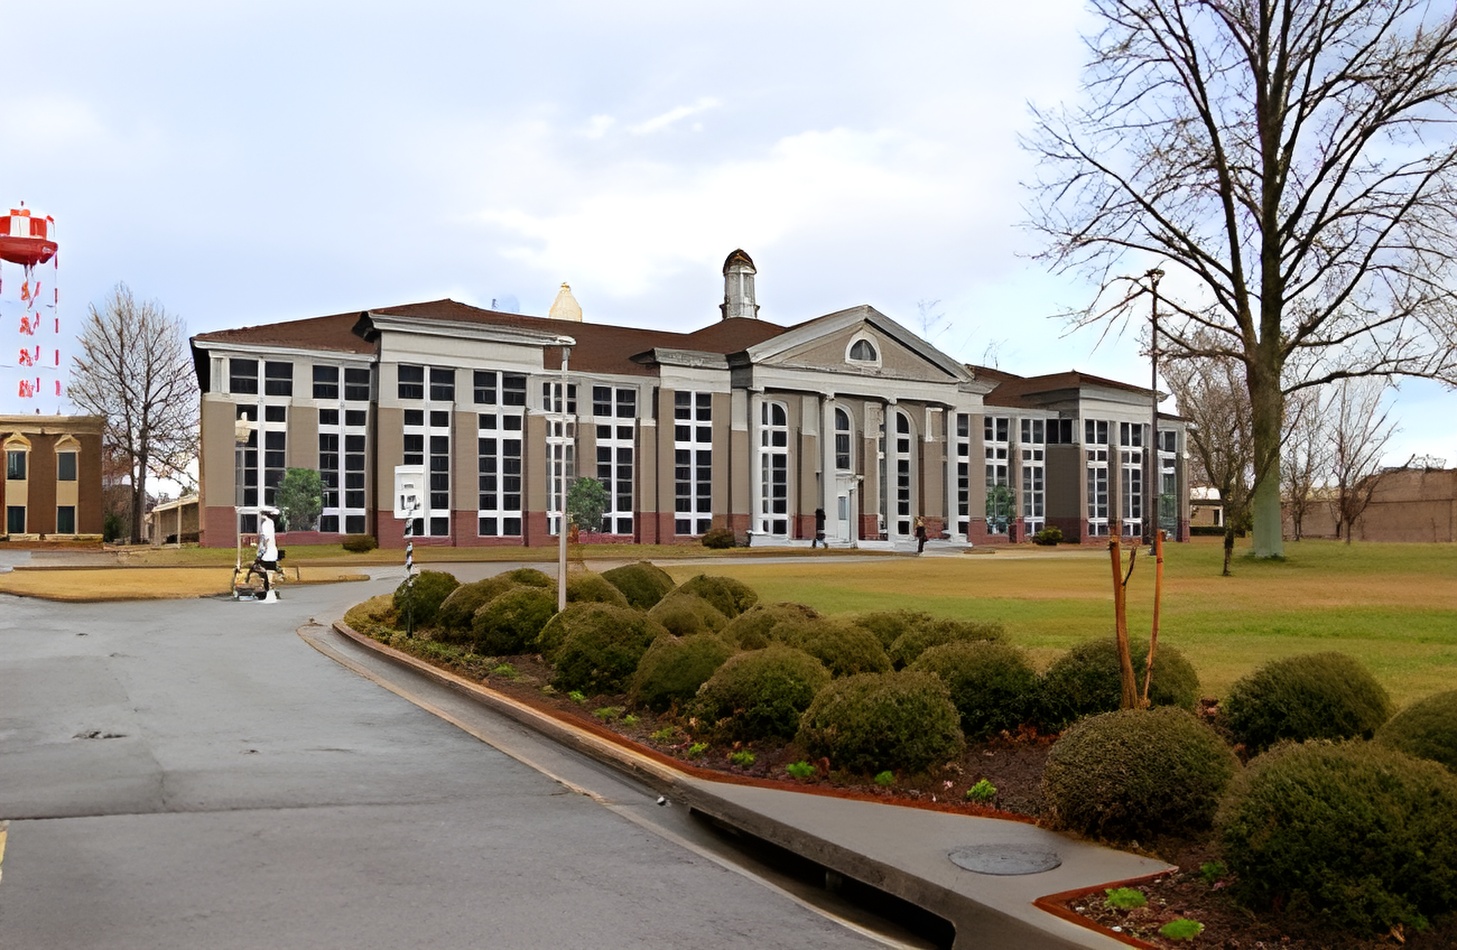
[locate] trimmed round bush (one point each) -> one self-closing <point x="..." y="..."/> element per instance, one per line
<point x="530" y="576"/>
<point x="686" y="614"/>
<point x="591" y="588"/>
<point x="757" y="627"/>
<point x="1312" y="696"/>
<point x="993" y="685"/>
<point x="759" y="694"/>
<point x="359" y="543"/>
<point x="425" y="597"/>
<point x="922" y="636"/>
<point x="1086" y="681"/>
<point x="510" y="622"/>
<point x="1137" y="773"/>
<point x="890" y="625"/>
<point x="673" y="668"/>
<point x="1427" y="729"/>
<point x="457" y="610"/>
<point x="841" y="646"/>
<point x="602" y="649"/>
<point x="643" y="583"/>
<point x="718" y="538"/>
<point x="873" y="722"/>
<point x="1358" y="832"/>
<point x="730" y="596"/>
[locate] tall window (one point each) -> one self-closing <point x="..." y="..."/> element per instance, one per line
<point x="15" y="465"/>
<point x="65" y="519"/>
<point x="1095" y="453"/>
<point x="15" y="519"/>
<point x="1168" y="510"/>
<point x="844" y="443"/>
<point x="904" y="498"/>
<point x="1034" y="461"/>
<point x="1000" y="505"/>
<point x="1130" y="460"/>
<point x="343" y="431"/>
<point x="243" y="376"/>
<point x="500" y="399"/>
<point x="773" y="469"/>
<point x="561" y="447"/>
<point x="277" y="378"/>
<point x="614" y="411"/>
<point x="692" y="462"/>
<point x="963" y="473"/>
<point x="427" y="440"/>
<point x="65" y="466"/>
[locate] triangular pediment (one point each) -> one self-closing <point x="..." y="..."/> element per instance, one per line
<point x="859" y="341"/>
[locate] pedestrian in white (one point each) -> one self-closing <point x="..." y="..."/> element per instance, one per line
<point x="267" y="549"/>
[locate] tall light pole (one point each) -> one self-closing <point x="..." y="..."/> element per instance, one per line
<point x="1150" y="451"/>
<point x="566" y="343"/>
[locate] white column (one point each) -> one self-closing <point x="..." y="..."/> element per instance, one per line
<point x="829" y="482"/>
<point x="756" y="462"/>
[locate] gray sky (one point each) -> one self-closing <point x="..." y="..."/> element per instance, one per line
<point x="246" y="163"/>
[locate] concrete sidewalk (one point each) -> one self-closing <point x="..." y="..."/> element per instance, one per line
<point x="984" y="876"/>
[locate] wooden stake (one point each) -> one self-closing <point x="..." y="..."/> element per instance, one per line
<point x="1127" y="678"/>
<point x="1158" y="596"/>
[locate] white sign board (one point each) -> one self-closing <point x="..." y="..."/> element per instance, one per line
<point x="409" y="490"/>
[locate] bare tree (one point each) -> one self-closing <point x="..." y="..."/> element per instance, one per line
<point x="135" y="370"/>
<point x="1292" y="166"/>
<point x="1211" y="394"/>
<point x="1305" y="458"/>
<point x="1359" y="432"/>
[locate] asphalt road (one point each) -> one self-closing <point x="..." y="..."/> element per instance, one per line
<point x="194" y="774"/>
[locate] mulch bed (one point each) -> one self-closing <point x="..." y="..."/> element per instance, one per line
<point x="1198" y="890"/>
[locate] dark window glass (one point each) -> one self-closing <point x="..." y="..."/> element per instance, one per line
<point x="328" y="417"/>
<point x="442" y="384"/>
<point x="277" y="378"/>
<point x="242" y="376"/>
<point x="66" y="519"/>
<point x="484" y="386"/>
<point x="513" y="389"/>
<point x="326" y="382"/>
<point x="15" y="465"/>
<point x="356" y="385"/>
<point x="15" y="519"/>
<point x="412" y="382"/>
<point x="601" y="400"/>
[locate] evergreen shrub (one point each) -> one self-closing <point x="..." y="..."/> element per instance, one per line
<point x="457" y="610"/>
<point x="843" y="647"/>
<point x="509" y="623"/>
<point x="731" y="597"/>
<point x="643" y="583"/>
<point x="871" y="722"/>
<point x="602" y="648"/>
<point x="890" y="625"/>
<point x="588" y="587"/>
<point x="993" y="685"/>
<point x="1137" y="773"/>
<point x="1048" y="537"/>
<point x="757" y="627"/>
<point x="1311" y="696"/>
<point x="354" y="543"/>
<point x="530" y="576"/>
<point x="1086" y="680"/>
<point x="758" y="695"/>
<point x="1362" y="834"/>
<point x="685" y="614"/>
<point x="1427" y="729"/>
<point x="673" y="668"/>
<point x="429" y="592"/>
<point x="922" y="636"/>
<point x="719" y="538"/>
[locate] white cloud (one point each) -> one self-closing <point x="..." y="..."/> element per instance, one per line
<point x="659" y="122"/>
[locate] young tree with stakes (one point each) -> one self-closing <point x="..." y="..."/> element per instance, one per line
<point x="134" y="369"/>
<point x="1291" y="166"/>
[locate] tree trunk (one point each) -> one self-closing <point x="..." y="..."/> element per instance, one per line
<point x="1129" y="698"/>
<point x="1228" y="545"/>
<point x="1267" y="405"/>
<point x="139" y="495"/>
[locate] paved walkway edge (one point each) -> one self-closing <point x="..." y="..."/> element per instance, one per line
<point x="1035" y="923"/>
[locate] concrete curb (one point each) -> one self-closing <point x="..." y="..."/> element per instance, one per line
<point x="896" y="849"/>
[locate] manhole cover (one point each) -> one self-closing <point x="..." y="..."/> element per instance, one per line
<point x="1004" y="859"/>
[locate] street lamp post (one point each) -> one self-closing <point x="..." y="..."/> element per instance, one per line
<point x="1150" y="451"/>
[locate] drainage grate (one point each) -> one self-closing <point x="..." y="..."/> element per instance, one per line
<point x="1005" y="859"/>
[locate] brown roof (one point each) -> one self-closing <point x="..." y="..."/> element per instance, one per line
<point x="600" y="347"/>
<point x="1018" y="391"/>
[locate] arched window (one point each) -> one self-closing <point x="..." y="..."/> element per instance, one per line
<point x="844" y="457"/>
<point x="774" y="469"/>
<point x="862" y="350"/>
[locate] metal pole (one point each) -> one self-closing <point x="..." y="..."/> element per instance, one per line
<point x="1150" y="451"/>
<point x="561" y="474"/>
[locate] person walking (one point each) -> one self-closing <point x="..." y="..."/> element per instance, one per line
<point x="267" y="558"/>
<point x="920" y="534"/>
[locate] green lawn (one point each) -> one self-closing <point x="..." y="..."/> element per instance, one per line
<point x="1393" y="607"/>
